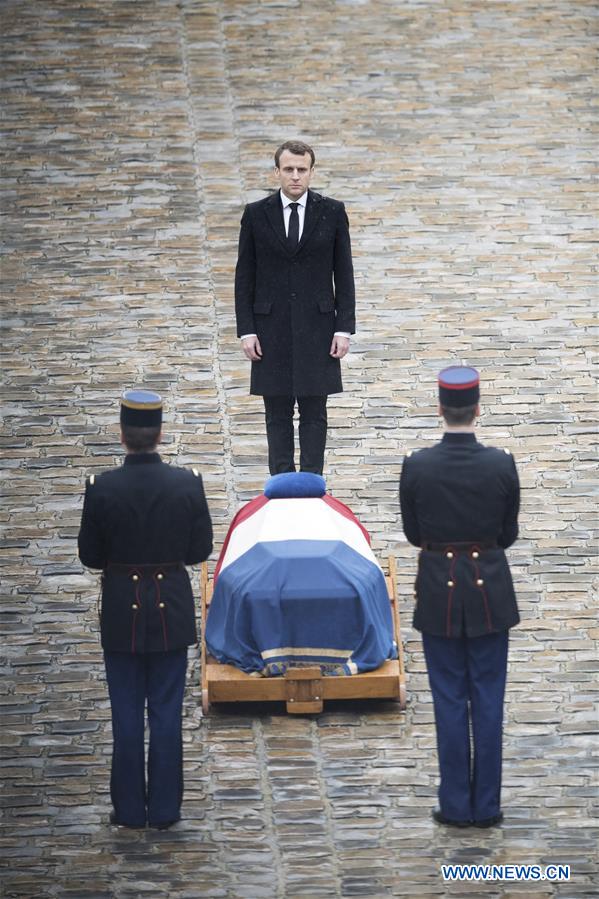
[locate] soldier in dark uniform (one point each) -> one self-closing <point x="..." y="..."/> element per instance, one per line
<point x="142" y="523"/>
<point x="459" y="504"/>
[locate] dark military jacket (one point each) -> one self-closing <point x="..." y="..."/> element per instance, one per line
<point x="459" y="503"/>
<point x="295" y="299"/>
<point x="141" y="524"/>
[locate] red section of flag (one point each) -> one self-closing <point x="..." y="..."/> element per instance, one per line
<point x="344" y="510"/>
<point x="244" y="513"/>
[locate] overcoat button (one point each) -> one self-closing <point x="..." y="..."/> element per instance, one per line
<point x="161" y="605"/>
<point x="475" y="555"/>
<point x="449" y="555"/>
<point x="450" y="583"/>
<point x="159" y="576"/>
<point x="134" y="577"/>
<point x="479" y="582"/>
<point x="135" y="606"/>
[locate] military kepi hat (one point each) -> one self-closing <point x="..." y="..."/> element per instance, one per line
<point x="459" y="386"/>
<point x="141" y="409"/>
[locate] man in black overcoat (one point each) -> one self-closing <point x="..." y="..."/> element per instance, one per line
<point x="459" y="504"/>
<point x="295" y="306"/>
<point x="142" y="523"/>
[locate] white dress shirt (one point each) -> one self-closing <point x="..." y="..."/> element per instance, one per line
<point x="301" y="212"/>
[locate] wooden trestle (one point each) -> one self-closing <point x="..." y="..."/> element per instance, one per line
<point x="302" y="689"/>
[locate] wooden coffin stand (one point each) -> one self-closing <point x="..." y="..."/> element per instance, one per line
<point x="302" y="689"/>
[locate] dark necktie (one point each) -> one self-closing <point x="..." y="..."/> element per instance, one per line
<point x="293" y="233"/>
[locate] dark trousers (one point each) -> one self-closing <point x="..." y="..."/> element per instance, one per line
<point x="158" y="679"/>
<point x="278" y="411"/>
<point x="467" y="677"/>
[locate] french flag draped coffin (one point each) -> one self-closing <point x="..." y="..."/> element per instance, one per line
<point x="297" y="584"/>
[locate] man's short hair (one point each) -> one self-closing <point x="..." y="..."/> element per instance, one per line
<point x="140" y="440"/>
<point x="458" y="416"/>
<point x="298" y="148"/>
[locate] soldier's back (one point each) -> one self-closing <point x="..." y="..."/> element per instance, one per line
<point x="460" y="488"/>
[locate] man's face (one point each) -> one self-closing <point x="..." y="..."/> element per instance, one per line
<point x="294" y="174"/>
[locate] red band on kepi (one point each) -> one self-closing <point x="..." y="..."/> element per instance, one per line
<point x="459" y="386"/>
<point x="141" y="409"/>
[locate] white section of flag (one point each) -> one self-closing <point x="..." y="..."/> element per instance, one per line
<point x="307" y="518"/>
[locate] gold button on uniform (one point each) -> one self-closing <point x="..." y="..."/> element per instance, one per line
<point x="135" y="606"/>
<point x="159" y="576"/>
<point x="134" y="577"/>
<point x="449" y="555"/>
<point x="479" y="582"/>
<point x="161" y="605"/>
<point x="475" y="555"/>
<point x="450" y="583"/>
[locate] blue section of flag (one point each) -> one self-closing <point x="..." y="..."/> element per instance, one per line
<point x="315" y="595"/>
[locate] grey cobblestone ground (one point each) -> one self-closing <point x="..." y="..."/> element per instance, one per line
<point x="459" y="134"/>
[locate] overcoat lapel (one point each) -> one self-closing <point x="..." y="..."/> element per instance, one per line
<point x="274" y="214"/>
<point x="313" y="213"/>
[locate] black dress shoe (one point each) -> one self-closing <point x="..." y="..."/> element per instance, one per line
<point x="164" y="825"/>
<point x="489" y="822"/>
<point x="116" y="823"/>
<point x="440" y="818"/>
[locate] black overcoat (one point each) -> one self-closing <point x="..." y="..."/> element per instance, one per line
<point x="461" y="492"/>
<point x="141" y="524"/>
<point x="295" y="300"/>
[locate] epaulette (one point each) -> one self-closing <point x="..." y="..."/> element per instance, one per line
<point x="409" y="453"/>
<point x="507" y="451"/>
<point x="196" y="472"/>
<point x="92" y="480"/>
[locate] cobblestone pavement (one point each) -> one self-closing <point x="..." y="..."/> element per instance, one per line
<point x="459" y="135"/>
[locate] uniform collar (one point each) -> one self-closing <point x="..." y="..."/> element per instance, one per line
<point x="455" y="437"/>
<point x="142" y="458"/>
